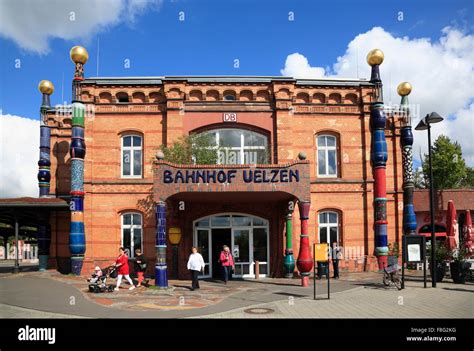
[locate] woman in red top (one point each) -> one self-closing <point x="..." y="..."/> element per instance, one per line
<point x="122" y="265"/>
<point x="227" y="262"/>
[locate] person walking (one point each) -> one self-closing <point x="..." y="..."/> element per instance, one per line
<point x="140" y="265"/>
<point x="123" y="271"/>
<point x="336" y="255"/>
<point x="227" y="262"/>
<point x="195" y="266"/>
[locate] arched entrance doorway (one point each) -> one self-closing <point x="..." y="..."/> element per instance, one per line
<point x="246" y="235"/>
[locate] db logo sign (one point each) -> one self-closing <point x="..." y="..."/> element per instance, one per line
<point x="230" y="117"/>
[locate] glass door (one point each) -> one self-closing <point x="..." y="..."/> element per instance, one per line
<point x="203" y="243"/>
<point x="260" y="249"/>
<point x="241" y="251"/>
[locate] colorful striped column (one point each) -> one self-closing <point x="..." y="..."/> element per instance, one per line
<point x="44" y="172"/>
<point x="378" y="158"/>
<point x="406" y="139"/>
<point x="161" y="269"/>
<point x="305" y="260"/>
<point x="77" y="151"/>
<point x="44" y="163"/>
<point x="289" y="261"/>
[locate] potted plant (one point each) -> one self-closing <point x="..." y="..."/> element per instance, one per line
<point x="459" y="266"/>
<point x="393" y="253"/>
<point x="442" y="255"/>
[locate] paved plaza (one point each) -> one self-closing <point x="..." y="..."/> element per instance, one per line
<point x="355" y="295"/>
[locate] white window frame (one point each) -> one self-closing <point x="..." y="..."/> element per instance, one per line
<point x="131" y="226"/>
<point x="131" y="148"/>
<point x="328" y="226"/>
<point x="242" y="148"/>
<point x="326" y="150"/>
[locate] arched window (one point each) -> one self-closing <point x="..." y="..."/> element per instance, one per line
<point x="335" y="98"/>
<point x="212" y="95"/>
<point x="195" y="95"/>
<point x="229" y="95"/>
<point x="138" y="97"/>
<point x="327" y="155"/>
<point x="122" y="97"/>
<point x="132" y="156"/>
<point x="132" y="232"/>
<point x="328" y="227"/>
<point x="319" y="98"/>
<point x="105" y="98"/>
<point x="246" y="95"/>
<point x="302" y="98"/>
<point x="240" y="146"/>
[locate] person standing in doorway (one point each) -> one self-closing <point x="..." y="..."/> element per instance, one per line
<point x="336" y="255"/>
<point x="195" y="266"/>
<point x="140" y="267"/>
<point x="123" y="271"/>
<point x="227" y="262"/>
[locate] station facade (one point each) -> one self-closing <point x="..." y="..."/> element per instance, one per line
<point x="288" y="141"/>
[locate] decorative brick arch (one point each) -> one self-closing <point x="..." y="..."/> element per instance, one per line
<point x="196" y="95"/>
<point x="138" y="97"/>
<point x="212" y="95"/>
<point x="302" y="97"/>
<point x="105" y="97"/>
<point x="319" y="98"/>
<point x="230" y="92"/>
<point x="155" y="97"/>
<point x="263" y="95"/>
<point x="122" y="94"/>
<point x="283" y="93"/>
<point x="350" y="98"/>
<point x="335" y="98"/>
<point x="246" y="95"/>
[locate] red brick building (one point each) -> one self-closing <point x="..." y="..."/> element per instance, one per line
<point x="267" y="121"/>
<point x="463" y="200"/>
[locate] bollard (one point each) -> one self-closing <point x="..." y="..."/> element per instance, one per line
<point x="257" y="269"/>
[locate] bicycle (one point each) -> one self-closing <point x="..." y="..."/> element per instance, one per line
<point x="391" y="276"/>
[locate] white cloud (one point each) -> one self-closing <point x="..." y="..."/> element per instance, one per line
<point x="296" y="65"/>
<point x="32" y="23"/>
<point x="19" y="154"/>
<point x="441" y="72"/>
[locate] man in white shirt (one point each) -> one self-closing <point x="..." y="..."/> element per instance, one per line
<point x="195" y="265"/>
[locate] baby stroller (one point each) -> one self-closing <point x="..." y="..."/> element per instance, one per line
<point x="98" y="283"/>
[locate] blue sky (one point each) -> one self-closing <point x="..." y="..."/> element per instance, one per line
<point x="213" y="34"/>
<point x="428" y="43"/>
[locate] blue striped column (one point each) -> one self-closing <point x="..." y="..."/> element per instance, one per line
<point x="44" y="163"/>
<point x="406" y="140"/>
<point x="77" y="151"/>
<point x="161" y="269"/>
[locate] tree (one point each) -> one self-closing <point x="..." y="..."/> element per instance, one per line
<point x="449" y="168"/>
<point x="192" y="149"/>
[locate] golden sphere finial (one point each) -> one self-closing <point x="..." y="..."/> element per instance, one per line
<point x="404" y="89"/>
<point x="79" y="54"/>
<point x="46" y="87"/>
<point x="375" y="57"/>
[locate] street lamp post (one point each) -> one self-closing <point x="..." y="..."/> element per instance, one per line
<point x="16" y="267"/>
<point x="425" y="124"/>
